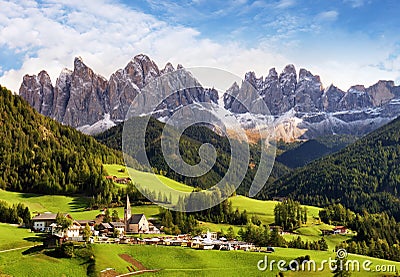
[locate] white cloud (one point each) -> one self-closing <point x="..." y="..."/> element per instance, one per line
<point x="327" y="16"/>
<point x="355" y="3"/>
<point x="107" y="35"/>
<point x="283" y="4"/>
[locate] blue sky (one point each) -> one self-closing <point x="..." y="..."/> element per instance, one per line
<point x="346" y="42"/>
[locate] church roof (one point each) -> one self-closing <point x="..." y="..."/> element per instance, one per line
<point x="136" y="218"/>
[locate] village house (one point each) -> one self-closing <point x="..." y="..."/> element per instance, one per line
<point x="52" y="241"/>
<point x="340" y="230"/>
<point x="91" y="224"/>
<point x="119" y="226"/>
<point x="123" y="180"/>
<point x="105" y="228"/>
<point x="42" y="222"/>
<point x="277" y="228"/>
<point x="47" y="222"/>
<point x="74" y="231"/>
<point x="153" y="229"/>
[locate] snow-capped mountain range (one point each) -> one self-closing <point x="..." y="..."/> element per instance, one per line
<point x="301" y="107"/>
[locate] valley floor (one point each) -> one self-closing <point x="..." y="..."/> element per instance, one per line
<point x="169" y="260"/>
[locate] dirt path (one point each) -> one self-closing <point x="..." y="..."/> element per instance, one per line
<point x="132" y="261"/>
<point x="109" y="273"/>
<point x="13" y="249"/>
<point x="138" y="272"/>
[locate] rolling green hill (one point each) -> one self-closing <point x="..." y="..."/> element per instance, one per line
<point x="364" y="175"/>
<point x="38" y="154"/>
<point x="190" y="141"/>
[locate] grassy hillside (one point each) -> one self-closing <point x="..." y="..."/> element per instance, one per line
<point x="178" y="261"/>
<point x="42" y="203"/>
<point x="14" y="237"/>
<point x="17" y="263"/>
<point x="172" y="261"/>
<point x="76" y="205"/>
<point x="364" y="175"/>
<point x="264" y="209"/>
<point x="144" y="178"/>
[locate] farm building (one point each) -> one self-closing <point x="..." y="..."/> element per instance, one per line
<point x="42" y="222"/>
<point x="340" y="230"/>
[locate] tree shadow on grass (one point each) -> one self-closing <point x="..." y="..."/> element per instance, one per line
<point x="29" y="195"/>
<point x="33" y="250"/>
<point x="36" y="238"/>
<point x="78" y="204"/>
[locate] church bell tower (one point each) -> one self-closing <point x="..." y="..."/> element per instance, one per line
<point x="127" y="214"/>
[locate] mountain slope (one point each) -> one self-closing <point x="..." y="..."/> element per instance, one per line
<point x="38" y="154"/>
<point x="364" y="175"/>
<point x="190" y="141"/>
<point x="313" y="149"/>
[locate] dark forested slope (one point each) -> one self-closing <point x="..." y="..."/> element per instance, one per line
<point x="363" y="176"/>
<point x="38" y="154"/>
<point x="190" y="141"/>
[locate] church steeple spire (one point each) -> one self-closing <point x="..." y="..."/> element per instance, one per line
<point x="127" y="213"/>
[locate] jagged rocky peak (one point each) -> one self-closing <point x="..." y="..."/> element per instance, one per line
<point x="289" y="70"/>
<point x="272" y="74"/>
<point x="141" y="70"/>
<point x="253" y="80"/>
<point x="308" y="92"/>
<point x="288" y="80"/>
<point x="382" y="92"/>
<point x="168" y="68"/>
<point x="61" y="94"/>
<point x="88" y="95"/>
<point x="83" y="99"/>
<point x="44" y="77"/>
<point x="230" y="99"/>
<point x="78" y="63"/>
<point x="331" y="98"/>
<point x="305" y="75"/>
<point x="81" y="69"/>
<point x="38" y="91"/>
<point x="356" y="98"/>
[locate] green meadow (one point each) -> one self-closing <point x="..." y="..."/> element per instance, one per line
<point x="264" y="209"/>
<point x="75" y="205"/>
<point x="16" y="259"/>
<point x="43" y="203"/>
<point x="13" y="237"/>
<point x="182" y="261"/>
<point x="145" y="178"/>
<point x="172" y="261"/>
<point x="21" y="264"/>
